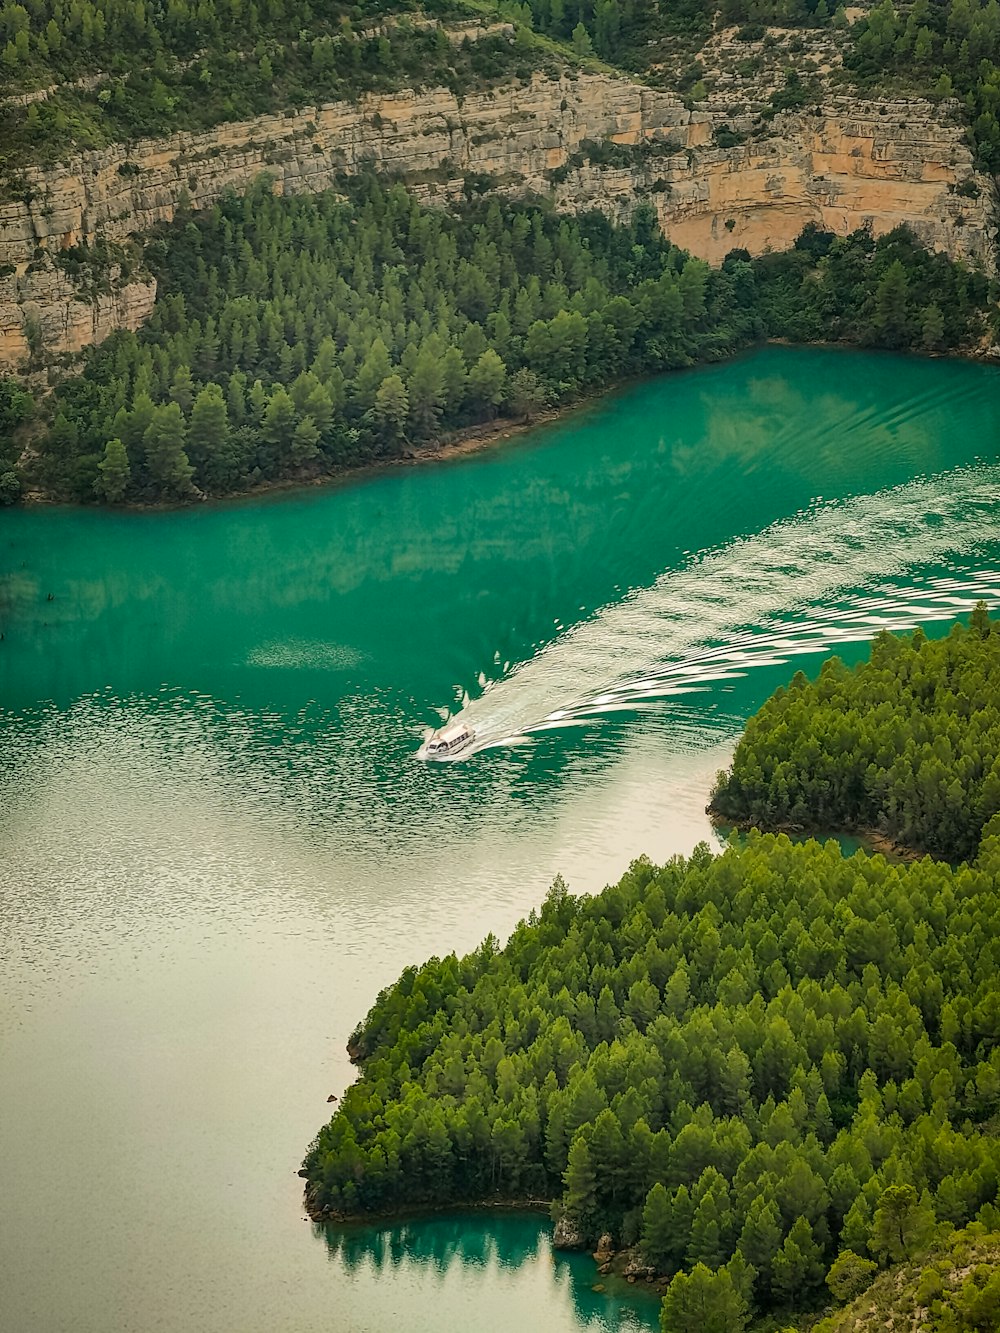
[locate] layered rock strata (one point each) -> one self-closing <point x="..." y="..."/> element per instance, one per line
<point x="853" y="164"/>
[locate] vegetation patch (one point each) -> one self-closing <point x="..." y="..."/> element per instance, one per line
<point x="607" y="153"/>
<point x="955" y="1288"/>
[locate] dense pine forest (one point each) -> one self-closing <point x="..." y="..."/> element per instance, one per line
<point x="906" y="744"/>
<point x="299" y="336"/>
<point x="775" y="1070"/>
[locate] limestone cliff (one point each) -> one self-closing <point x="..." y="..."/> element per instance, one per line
<point x="853" y="164"/>
<point x="43" y="311"/>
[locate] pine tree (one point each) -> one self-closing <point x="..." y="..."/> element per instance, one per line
<point x="305" y="442"/>
<point x="166" y="459"/>
<point x="657" y="1228"/>
<point x="703" y="1302"/>
<point x="932" y="328"/>
<point x="453" y="380"/>
<point x="761" y="1237"/>
<point x="486" y="382"/>
<point x="208" y="431"/>
<point x="903" y="1225"/>
<point x="426" y="390"/>
<point x="979" y="622"/>
<point x="580" y="1179"/>
<point x="391" y="409"/>
<point x="798" y="1266"/>
<point x="182" y="388"/>
<point x="374" y="370"/>
<point x="582" y="45"/>
<point x="889" y="320"/>
<point x="113" y="473"/>
<point x="278" y="428"/>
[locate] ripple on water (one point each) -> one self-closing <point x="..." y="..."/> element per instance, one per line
<point x="758" y="601"/>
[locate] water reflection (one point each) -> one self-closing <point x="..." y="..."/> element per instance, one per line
<point x="483" y="1249"/>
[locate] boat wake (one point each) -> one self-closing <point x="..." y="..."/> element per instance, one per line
<point x="838" y="572"/>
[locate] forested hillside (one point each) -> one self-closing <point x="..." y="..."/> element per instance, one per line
<point x="747" y="1063"/>
<point x="294" y="336"/>
<point x="907" y="743"/>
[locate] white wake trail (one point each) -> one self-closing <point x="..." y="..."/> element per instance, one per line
<point x="758" y="601"/>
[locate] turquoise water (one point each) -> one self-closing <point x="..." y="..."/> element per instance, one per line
<point x="494" y="1272"/>
<point x="217" y="843"/>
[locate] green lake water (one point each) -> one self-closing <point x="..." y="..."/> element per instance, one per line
<point x="217" y="845"/>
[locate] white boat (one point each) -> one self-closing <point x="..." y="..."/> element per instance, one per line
<point x="447" y="741"/>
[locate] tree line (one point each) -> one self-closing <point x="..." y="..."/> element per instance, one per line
<point x="907" y="744"/>
<point x="773" y="1071"/>
<point x="293" y="336"/>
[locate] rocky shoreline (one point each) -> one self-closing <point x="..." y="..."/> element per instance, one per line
<point x="626" y="1263"/>
<point x="622" y="1264"/>
<point x="879" y="841"/>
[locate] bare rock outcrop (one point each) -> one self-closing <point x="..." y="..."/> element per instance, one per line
<point x="41" y="310"/>
<point x="567" y="1235"/>
<point x="854" y="164"/>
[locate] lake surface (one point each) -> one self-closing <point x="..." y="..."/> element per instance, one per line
<point x="216" y="844"/>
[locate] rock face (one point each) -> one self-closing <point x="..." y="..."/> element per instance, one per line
<point x="855" y="164"/>
<point x="567" y="1235"/>
<point x="41" y="308"/>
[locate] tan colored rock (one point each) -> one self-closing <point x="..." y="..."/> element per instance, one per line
<point x="856" y="164"/>
<point x="43" y="303"/>
<point x="851" y="167"/>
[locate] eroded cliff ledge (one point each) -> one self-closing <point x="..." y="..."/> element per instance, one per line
<point x="847" y="165"/>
